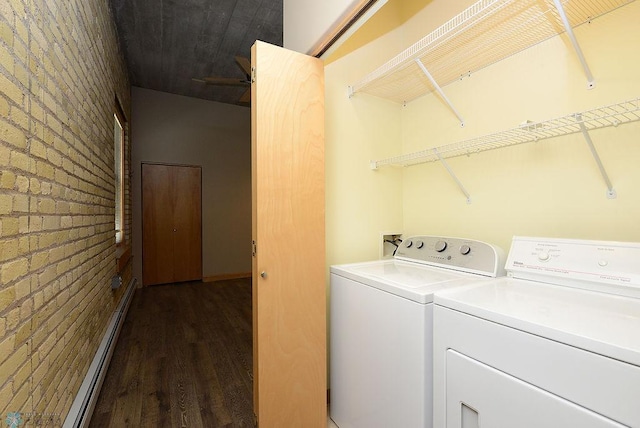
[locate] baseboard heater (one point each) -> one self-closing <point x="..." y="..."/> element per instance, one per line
<point x="80" y="413"/>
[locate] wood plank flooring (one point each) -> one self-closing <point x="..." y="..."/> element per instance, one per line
<point x="183" y="359"/>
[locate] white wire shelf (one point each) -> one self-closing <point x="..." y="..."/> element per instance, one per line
<point x="611" y="115"/>
<point x="486" y="32"/>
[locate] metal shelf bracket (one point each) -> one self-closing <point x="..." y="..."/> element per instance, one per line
<point x="567" y="26"/>
<point x="453" y="175"/>
<point x="611" y="193"/>
<point x="440" y="91"/>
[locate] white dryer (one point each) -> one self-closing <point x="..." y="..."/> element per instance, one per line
<point x="381" y="328"/>
<point x="556" y="343"/>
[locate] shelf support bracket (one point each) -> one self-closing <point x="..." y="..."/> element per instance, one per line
<point x="567" y="26"/>
<point x="453" y="175"/>
<point x="439" y="90"/>
<point x="611" y="193"/>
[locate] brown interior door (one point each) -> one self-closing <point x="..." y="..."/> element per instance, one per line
<point x="289" y="291"/>
<point x="171" y="223"/>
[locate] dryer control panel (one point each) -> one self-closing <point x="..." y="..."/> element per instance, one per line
<point x="605" y="266"/>
<point x="465" y="255"/>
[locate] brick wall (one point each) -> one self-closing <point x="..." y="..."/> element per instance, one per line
<point x="60" y="73"/>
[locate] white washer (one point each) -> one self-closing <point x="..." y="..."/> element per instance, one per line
<point x="554" y="344"/>
<point x="381" y="335"/>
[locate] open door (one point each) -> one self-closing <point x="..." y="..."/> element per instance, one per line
<point x="289" y="291"/>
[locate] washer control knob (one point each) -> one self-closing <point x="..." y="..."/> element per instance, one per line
<point x="440" y="246"/>
<point x="419" y="244"/>
<point x="408" y="243"/>
<point x="465" y="249"/>
<point x="543" y="256"/>
<point x="603" y="263"/>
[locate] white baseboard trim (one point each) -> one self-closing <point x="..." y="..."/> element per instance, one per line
<point x="81" y="410"/>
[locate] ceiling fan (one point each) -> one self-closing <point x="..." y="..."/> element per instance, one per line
<point x="245" y="66"/>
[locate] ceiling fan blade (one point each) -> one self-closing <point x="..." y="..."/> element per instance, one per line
<point x="246" y="97"/>
<point x="226" y="81"/>
<point x="244" y="64"/>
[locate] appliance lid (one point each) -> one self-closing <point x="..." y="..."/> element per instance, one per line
<point x="407" y="274"/>
<point x="603" y="323"/>
<point x="404" y="279"/>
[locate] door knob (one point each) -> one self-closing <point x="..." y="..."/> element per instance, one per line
<point x="263" y="274"/>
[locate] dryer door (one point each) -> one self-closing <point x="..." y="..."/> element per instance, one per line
<point x="478" y="395"/>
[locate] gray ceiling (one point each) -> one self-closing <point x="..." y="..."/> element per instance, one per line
<point x="168" y="42"/>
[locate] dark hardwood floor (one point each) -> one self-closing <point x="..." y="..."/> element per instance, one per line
<point x="183" y="359"/>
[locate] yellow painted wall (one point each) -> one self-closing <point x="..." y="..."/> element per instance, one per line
<point x="547" y="188"/>
<point x="360" y="203"/>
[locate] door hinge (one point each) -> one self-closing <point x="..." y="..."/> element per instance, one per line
<point x="253" y="74"/>
<point x="254" y="249"/>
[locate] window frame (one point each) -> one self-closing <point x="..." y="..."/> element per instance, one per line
<point x="119" y="119"/>
<point x="123" y="246"/>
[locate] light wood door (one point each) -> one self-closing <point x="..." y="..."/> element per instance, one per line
<point x="289" y="291"/>
<point x="171" y="223"/>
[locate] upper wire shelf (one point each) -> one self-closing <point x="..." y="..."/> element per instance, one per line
<point x="611" y="115"/>
<point x="484" y="33"/>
